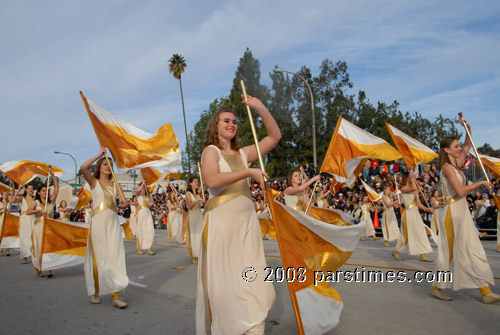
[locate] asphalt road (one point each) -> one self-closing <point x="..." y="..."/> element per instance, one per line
<point x="162" y="299"/>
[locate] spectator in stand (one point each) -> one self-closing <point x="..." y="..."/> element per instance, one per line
<point x="384" y="169"/>
<point x="489" y="219"/>
<point x="394" y="168"/>
<point x="374" y="168"/>
<point x="366" y="171"/>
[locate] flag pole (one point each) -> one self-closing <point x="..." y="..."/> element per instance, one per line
<point x="311" y="197"/>
<point x="261" y="162"/>
<point x="254" y="133"/>
<point x="201" y="181"/>
<point x="120" y="192"/>
<point x="460" y="115"/>
<point x="44" y="218"/>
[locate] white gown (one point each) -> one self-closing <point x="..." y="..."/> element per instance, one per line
<point x="390" y="224"/>
<point x="459" y="249"/>
<point x="175" y="225"/>
<point x="145" y="227"/>
<point x="413" y="239"/>
<point x="195" y="227"/>
<point x="25" y="228"/>
<point x="231" y="242"/>
<point x="37" y="233"/>
<point x="105" y="270"/>
<point x="369" y="229"/>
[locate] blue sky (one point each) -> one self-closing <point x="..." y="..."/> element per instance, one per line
<point x="432" y="56"/>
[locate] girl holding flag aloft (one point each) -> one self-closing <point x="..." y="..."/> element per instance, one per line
<point x="413" y="238"/>
<point x="389" y="221"/>
<point x="232" y="238"/>
<point x="366" y="217"/>
<point x="25" y="221"/>
<point x="145" y="232"/>
<point x="195" y="219"/>
<point x="296" y="195"/>
<point x="4" y="205"/>
<point x="459" y="249"/>
<point x="42" y="206"/>
<point x="104" y="266"/>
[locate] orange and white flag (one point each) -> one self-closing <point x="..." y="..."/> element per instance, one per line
<point x="24" y="171"/>
<point x="82" y="198"/>
<point x="314" y="247"/>
<point x="413" y="151"/>
<point x="350" y="147"/>
<point x="374" y="196"/>
<point x="492" y="163"/>
<point x="64" y="244"/>
<point x="131" y="147"/>
<point x="9" y="234"/>
<point x="152" y="175"/>
<point x="4" y="188"/>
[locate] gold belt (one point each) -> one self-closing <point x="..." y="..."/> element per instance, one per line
<point x="450" y="201"/>
<point x="140" y="207"/>
<point x="413" y="204"/>
<point x="102" y="207"/>
<point x="23" y="212"/>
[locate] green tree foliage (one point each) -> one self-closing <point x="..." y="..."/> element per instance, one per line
<point x="289" y="101"/>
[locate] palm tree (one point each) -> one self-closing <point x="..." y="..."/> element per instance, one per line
<point x="176" y="67"/>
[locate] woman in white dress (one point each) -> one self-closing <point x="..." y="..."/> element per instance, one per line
<point x="40" y="208"/>
<point x="133" y="214"/>
<point x="174" y="218"/>
<point x="145" y="227"/>
<point x="232" y="239"/>
<point x="436" y="203"/>
<point x="390" y="228"/>
<point x="104" y="266"/>
<point x="4" y="205"/>
<point x="195" y="219"/>
<point x="25" y="221"/>
<point x="64" y="211"/>
<point x="296" y="195"/>
<point x="366" y="217"/>
<point x="413" y="238"/>
<point x="459" y="249"/>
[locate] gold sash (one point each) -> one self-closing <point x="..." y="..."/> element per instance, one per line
<point x="198" y="205"/>
<point x="452" y="200"/>
<point x="108" y="201"/>
<point x="145" y="204"/>
<point x="234" y="190"/>
<point x="413" y="204"/>
<point x="299" y="206"/>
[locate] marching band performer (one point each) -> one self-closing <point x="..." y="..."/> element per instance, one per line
<point x="195" y="219"/>
<point x="365" y="216"/>
<point x="390" y="228"/>
<point x="104" y="266"/>
<point x="459" y="249"/>
<point x="296" y="195"/>
<point x="25" y="221"/>
<point x="145" y="227"/>
<point x="174" y="217"/>
<point x="4" y="208"/>
<point x="232" y="237"/>
<point x="413" y="238"/>
<point x="40" y="207"/>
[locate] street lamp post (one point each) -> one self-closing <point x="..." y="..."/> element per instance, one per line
<point x="74" y="160"/>
<point x="312" y="110"/>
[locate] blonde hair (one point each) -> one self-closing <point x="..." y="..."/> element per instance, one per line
<point x="212" y="135"/>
